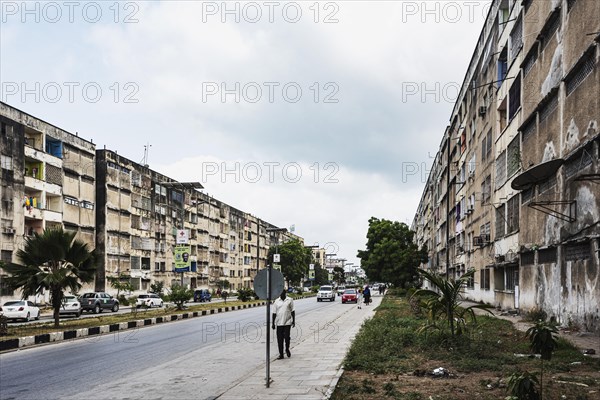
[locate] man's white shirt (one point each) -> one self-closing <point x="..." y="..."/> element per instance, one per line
<point x="283" y="311"/>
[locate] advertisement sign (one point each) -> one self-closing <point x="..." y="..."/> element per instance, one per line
<point x="311" y="266"/>
<point x="330" y="277"/>
<point x="276" y="258"/>
<point x="182" y="258"/>
<point x="311" y="274"/>
<point x="277" y="267"/>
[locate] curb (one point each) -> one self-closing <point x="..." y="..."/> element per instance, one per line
<point x="17" y="343"/>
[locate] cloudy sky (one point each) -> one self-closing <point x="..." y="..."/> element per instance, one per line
<point x="316" y="114"/>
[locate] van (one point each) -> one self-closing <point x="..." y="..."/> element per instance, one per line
<point x="202" y="295"/>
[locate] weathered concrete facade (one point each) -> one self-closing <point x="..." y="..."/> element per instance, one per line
<point x="137" y="224"/>
<point x="47" y="181"/>
<point x="514" y="190"/>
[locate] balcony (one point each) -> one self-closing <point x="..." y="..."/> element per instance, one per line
<point x="34" y="213"/>
<point x="42" y="156"/>
<point x="52" y="216"/>
<point x="34" y="183"/>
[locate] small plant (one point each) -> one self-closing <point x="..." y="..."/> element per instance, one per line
<point x="522" y="386"/>
<point x="543" y="341"/>
<point x="245" y="294"/>
<point x="536" y="314"/>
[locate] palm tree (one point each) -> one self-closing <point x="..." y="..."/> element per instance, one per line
<point x="445" y="302"/>
<point x="53" y="261"/>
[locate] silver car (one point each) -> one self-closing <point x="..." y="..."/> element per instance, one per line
<point x="70" y="306"/>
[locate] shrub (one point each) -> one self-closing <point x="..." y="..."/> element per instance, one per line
<point x="536" y="314"/>
<point x="245" y="294"/>
<point x="180" y="295"/>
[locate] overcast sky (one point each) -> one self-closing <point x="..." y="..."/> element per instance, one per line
<point x="318" y="115"/>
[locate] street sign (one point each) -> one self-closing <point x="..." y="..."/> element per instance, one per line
<point x="277" y="267"/>
<point x="311" y="274"/>
<point x="260" y="284"/>
<point x="182" y="258"/>
<point x="276" y="258"/>
<point x="311" y="266"/>
<point x="182" y="236"/>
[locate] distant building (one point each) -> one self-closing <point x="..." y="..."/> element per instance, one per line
<point x="514" y="189"/>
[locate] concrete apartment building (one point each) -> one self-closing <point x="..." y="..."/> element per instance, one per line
<point x="139" y="215"/>
<point x="48" y="180"/>
<point x="514" y="189"/>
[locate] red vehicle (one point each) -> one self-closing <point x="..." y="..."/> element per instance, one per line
<point x="349" y="296"/>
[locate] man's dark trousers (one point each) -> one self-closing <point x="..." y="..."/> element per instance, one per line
<point x="283" y="332"/>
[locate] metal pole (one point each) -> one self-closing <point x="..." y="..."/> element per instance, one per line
<point x="268" y="352"/>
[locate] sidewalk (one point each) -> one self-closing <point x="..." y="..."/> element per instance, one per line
<point x="581" y="340"/>
<point x="314" y="368"/>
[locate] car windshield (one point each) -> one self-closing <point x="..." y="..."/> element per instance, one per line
<point x="326" y="288"/>
<point x="14" y="303"/>
<point x="349" y="291"/>
<point x="143" y="296"/>
<point x="69" y="299"/>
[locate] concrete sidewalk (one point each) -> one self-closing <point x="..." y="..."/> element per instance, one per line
<point x="314" y="368"/>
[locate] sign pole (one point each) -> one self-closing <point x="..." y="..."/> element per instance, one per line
<point x="268" y="326"/>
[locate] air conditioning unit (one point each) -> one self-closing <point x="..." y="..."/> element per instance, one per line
<point x="482" y="111"/>
<point x="499" y="258"/>
<point x="485" y="238"/>
<point x="9" y="231"/>
<point x="477" y="241"/>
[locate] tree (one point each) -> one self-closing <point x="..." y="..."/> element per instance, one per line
<point x="391" y="256"/>
<point x="120" y="283"/>
<point x="55" y="261"/>
<point x="294" y="259"/>
<point x="445" y="302"/>
<point x="180" y="295"/>
<point x="339" y="275"/>
<point x="223" y="284"/>
<point x="157" y="288"/>
<point x="321" y="275"/>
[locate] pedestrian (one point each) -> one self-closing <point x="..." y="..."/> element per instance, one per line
<point x="359" y="297"/>
<point x="367" y="295"/>
<point x="284" y="317"/>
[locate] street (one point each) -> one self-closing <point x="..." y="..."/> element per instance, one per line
<point x="197" y="358"/>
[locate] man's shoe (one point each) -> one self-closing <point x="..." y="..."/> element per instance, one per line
<point x="288" y="353"/>
<point x="280" y="357"/>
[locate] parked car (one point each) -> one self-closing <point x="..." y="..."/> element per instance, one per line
<point x="70" y="306"/>
<point x="149" y="300"/>
<point x="202" y="295"/>
<point x="98" y="301"/>
<point x="326" y="293"/>
<point x="341" y="290"/>
<point x="20" y="309"/>
<point x="349" y="296"/>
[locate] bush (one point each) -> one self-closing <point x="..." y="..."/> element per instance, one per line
<point x="180" y="295"/>
<point x="536" y="314"/>
<point x="245" y="294"/>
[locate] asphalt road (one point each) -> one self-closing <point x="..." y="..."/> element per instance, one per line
<point x="198" y="358"/>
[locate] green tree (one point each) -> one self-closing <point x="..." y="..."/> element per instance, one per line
<point x="445" y="302"/>
<point x="339" y="275"/>
<point x="180" y="295"/>
<point x="391" y="256"/>
<point x="294" y="259"/>
<point x="321" y="275"/>
<point x="157" y="288"/>
<point x="223" y="284"/>
<point x="55" y="261"/>
<point x="542" y="338"/>
<point x="120" y="283"/>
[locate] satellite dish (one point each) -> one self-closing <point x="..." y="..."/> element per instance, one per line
<point x="536" y="174"/>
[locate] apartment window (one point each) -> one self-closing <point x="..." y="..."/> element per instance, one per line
<point x="146" y="263"/>
<point x="471" y="282"/>
<point x="527" y="258"/>
<point x="484" y="232"/>
<point x="136" y="178"/>
<point x="486" y="189"/>
<point x="135" y="262"/>
<point x="513" y="157"/>
<point x="512" y="214"/>
<point x="486" y="147"/>
<point x="530" y="59"/>
<point x="578" y="251"/>
<point x="526" y="195"/>
<point x="5" y="289"/>
<point x="501" y="170"/>
<point x="511" y="277"/>
<point x="177" y="197"/>
<point x="547" y="256"/>
<point x="6" y="162"/>
<point x="6" y="256"/>
<point x="547" y="185"/>
<point x="549" y="106"/>
<point x="502" y="66"/>
<point x="500" y="221"/>
<point x="516" y="39"/>
<point x="156" y="266"/>
<point x="577" y="164"/>
<point x="584" y="67"/>
<point x="484" y="277"/>
<point x="514" y="98"/>
<point x="549" y="31"/>
<point x="529" y="127"/>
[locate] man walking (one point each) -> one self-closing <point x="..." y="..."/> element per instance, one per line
<point x="284" y="317"/>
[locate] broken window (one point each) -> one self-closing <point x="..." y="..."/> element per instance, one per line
<point x="547" y="256"/>
<point x="500" y="221"/>
<point x="484" y="277"/>
<point x="512" y="214"/>
<point x="501" y="170"/>
<point x="584" y="67"/>
<point x="513" y="157"/>
<point x="514" y="98"/>
<point x="578" y="251"/>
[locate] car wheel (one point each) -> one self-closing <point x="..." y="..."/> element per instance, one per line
<point x="115" y="307"/>
<point x="27" y="319"/>
<point x="78" y="314"/>
<point x="161" y="304"/>
<point x="97" y="309"/>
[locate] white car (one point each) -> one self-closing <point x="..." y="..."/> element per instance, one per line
<point x="149" y="300"/>
<point x="70" y="306"/>
<point x="326" y="293"/>
<point x="340" y="290"/>
<point x="20" y="309"/>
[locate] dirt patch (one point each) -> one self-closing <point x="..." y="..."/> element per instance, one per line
<point x="356" y="385"/>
